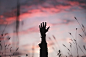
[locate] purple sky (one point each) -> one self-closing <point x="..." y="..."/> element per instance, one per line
<point x="59" y="15"/>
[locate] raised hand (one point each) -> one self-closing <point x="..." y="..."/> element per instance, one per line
<point x="43" y="29"/>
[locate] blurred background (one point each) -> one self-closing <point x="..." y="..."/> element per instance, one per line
<point x="19" y="27"/>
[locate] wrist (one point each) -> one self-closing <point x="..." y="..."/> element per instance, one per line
<point x="43" y="36"/>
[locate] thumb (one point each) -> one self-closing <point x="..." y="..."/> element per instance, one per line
<point x="47" y="28"/>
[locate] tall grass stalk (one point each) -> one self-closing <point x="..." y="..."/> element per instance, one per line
<point x="56" y="42"/>
<point x="80" y="25"/>
<point x="76" y="43"/>
<point x="53" y="42"/>
<point x="71" y="48"/>
<point x="68" y="50"/>
<point x="81" y="49"/>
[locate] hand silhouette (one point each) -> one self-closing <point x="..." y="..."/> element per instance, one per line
<point x="43" y="29"/>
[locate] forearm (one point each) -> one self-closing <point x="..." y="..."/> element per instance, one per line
<point x="43" y="37"/>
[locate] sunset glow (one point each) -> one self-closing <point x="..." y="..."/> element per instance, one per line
<point x="59" y="15"/>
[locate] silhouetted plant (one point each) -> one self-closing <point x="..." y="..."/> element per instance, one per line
<point x="81" y="49"/>
<point x="82" y="26"/>
<point x="84" y="47"/>
<point x="0" y="46"/>
<point x="56" y="42"/>
<point x="10" y="49"/>
<point x="59" y="53"/>
<point x="54" y="49"/>
<point x="17" y="49"/>
<point x="68" y="49"/>
<point x="71" y="48"/>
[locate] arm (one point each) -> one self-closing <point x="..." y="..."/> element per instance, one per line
<point x="43" y="30"/>
<point x="43" y="44"/>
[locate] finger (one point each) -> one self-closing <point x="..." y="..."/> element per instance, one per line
<point x="39" y="26"/>
<point x="48" y="28"/>
<point x="43" y="24"/>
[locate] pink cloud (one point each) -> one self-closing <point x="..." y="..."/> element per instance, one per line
<point x="37" y="12"/>
<point x="36" y="28"/>
<point x="28" y="31"/>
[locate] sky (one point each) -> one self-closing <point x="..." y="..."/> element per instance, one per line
<point x="59" y="15"/>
